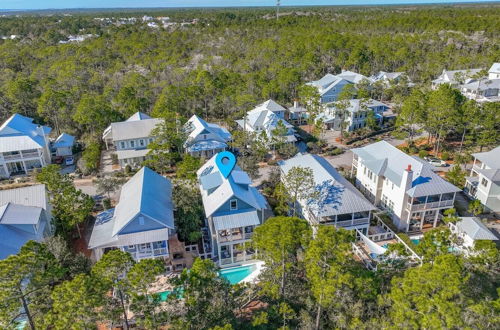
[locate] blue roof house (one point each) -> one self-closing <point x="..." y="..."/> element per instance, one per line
<point x="24" y="146"/>
<point x="205" y="139"/>
<point x="63" y="145"/>
<point x="233" y="208"/>
<point x="25" y="215"/>
<point x="141" y="223"/>
<point x="337" y="201"/>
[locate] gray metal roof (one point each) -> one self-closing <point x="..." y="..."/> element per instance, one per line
<point x="337" y="195"/>
<point x="134" y="129"/>
<point x="491" y="174"/>
<point x="146" y="193"/>
<point x="34" y="195"/>
<point x="495" y="68"/>
<point x="475" y="229"/>
<point x="489" y="158"/>
<point x="236" y="220"/>
<point x="15" y="214"/>
<point x="196" y="126"/>
<point x="386" y="160"/>
<point x="131" y="153"/>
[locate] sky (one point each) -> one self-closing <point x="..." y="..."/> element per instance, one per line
<point x="62" y="4"/>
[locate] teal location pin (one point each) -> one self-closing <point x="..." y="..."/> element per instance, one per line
<point x="225" y="161"/>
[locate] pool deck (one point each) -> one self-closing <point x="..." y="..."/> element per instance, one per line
<point x="252" y="277"/>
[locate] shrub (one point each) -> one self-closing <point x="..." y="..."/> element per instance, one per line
<point x="336" y="151"/>
<point x="106" y="203"/>
<point x="272" y="162"/>
<point x="423" y="153"/>
<point x="91" y="157"/>
<point x="114" y="159"/>
<point x="128" y="169"/>
<point x="445" y="155"/>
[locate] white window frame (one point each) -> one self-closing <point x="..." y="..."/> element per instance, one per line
<point x="231" y="204"/>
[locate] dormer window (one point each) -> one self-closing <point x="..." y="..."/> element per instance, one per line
<point x="122" y="144"/>
<point x="132" y="144"/>
<point x="484" y="182"/>
<point x="233" y="204"/>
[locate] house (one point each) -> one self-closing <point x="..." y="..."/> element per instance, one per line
<point x="271" y="105"/>
<point x="355" y="115"/>
<point x="233" y="208"/>
<point x="63" y="145"/>
<point x="205" y="139"/>
<point x="338" y="202"/>
<point x="142" y="221"/>
<point x="494" y="71"/>
<point x="297" y="114"/>
<point x="484" y="180"/>
<point x="131" y="138"/>
<point x="24" y="146"/>
<point x="470" y="230"/>
<point x="353" y="77"/>
<point x="329" y="87"/>
<point x="405" y="186"/>
<point x="25" y="215"/>
<point x="264" y="121"/>
<point x="482" y="90"/>
<point x="455" y="78"/>
<point x="388" y="78"/>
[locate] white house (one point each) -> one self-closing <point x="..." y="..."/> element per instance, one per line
<point x="482" y="90"/>
<point x="484" y="180"/>
<point x="271" y="105"/>
<point x="297" y="114"/>
<point x="388" y="78"/>
<point x="353" y="77"/>
<point x="205" y="139"/>
<point x="233" y="208"/>
<point x="24" y="146"/>
<point x="494" y="71"/>
<point x="63" y="145"/>
<point x="262" y="120"/>
<point x="354" y="117"/>
<point x="25" y="215"/>
<point x="131" y="138"/>
<point x="455" y="78"/>
<point x="338" y="202"/>
<point x="405" y="186"/>
<point x="141" y="223"/>
<point x="470" y="230"/>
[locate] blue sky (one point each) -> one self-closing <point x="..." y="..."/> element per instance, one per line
<point x="45" y="4"/>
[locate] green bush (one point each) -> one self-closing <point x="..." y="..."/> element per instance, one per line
<point x="335" y="152"/>
<point x="445" y="155"/>
<point x="106" y="203"/>
<point x="423" y="153"/>
<point x="91" y="157"/>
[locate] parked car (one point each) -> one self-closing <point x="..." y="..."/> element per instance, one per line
<point x="58" y="160"/>
<point x="436" y="162"/>
<point x="70" y="160"/>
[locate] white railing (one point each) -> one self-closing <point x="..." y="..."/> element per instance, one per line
<point x="355" y="222"/>
<point x="12" y="157"/>
<point x="159" y="252"/>
<point x="225" y="261"/>
<point x="30" y="154"/>
<point x="433" y="205"/>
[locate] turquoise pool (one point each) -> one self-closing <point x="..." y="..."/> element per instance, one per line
<point x="236" y="274"/>
<point x="415" y="241"/>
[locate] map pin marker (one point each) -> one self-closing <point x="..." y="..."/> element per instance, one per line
<point x="225" y="161"/>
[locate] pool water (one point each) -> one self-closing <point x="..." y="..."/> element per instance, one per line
<point x="237" y="274"/>
<point x="415" y="241"/>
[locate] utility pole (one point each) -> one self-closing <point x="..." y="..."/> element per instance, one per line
<point x="278" y="2"/>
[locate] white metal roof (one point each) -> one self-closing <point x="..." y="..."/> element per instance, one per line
<point x="495" y="68"/>
<point x="131" y="153"/>
<point x="236" y="220"/>
<point x="475" y="229"/>
<point x="135" y="129"/>
<point x="489" y="158"/>
<point x="15" y="214"/>
<point x="34" y="195"/>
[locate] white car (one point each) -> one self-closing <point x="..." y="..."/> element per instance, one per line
<point x="69" y="161"/>
<point x="436" y="162"/>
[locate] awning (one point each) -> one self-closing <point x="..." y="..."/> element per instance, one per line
<point x="131" y="153"/>
<point x="236" y="220"/>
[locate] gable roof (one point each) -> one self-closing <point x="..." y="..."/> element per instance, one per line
<point x="495" y="68"/>
<point x="386" y="75"/>
<point x="138" y="116"/>
<point x="270" y="105"/>
<point x="197" y="126"/>
<point x="355" y="104"/>
<point x="217" y="190"/>
<point x="352" y="77"/>
<point x="337" y="195"/>
<point x="34" y="195"/>
<point x="450" y="75"/>
<point x="64" y="141"/>
<point x="489" y="158"/>
<point x="20" y="133"/>
<point x="475" y="229"/>
<point x="134" y="129"/>
<point x="386" y="160"/>
<point x="146" y="193"/>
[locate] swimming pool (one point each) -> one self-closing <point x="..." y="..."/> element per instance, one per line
<point x="237" y="274"/>
<point x="415" y="241"/>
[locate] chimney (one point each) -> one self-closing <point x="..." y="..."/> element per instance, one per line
<point x="407" y="178"/>
<point x="295" y="103"/>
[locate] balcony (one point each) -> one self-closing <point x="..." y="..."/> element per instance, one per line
<point x="22" y="155"/>
<point x="355" y="222"/>
<point x="433" y="205"/>
<point x="233" y="235"/>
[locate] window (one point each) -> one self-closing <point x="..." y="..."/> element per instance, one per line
<point x="233" y="204"/>
<point x="484" y="182"/>
<point x="122" y="144"/>
<point x="141" y="142"/>
<point x="204" y="136"/>
<point x="132" y="144"/>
